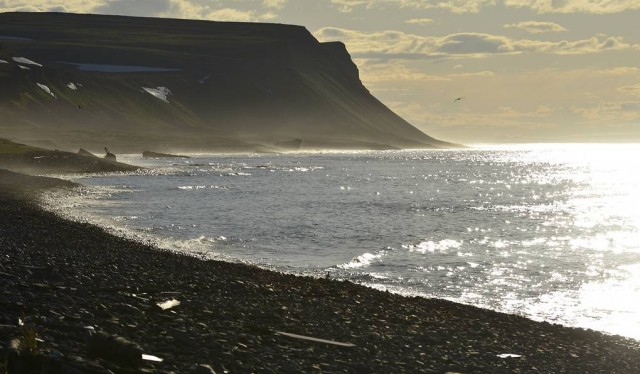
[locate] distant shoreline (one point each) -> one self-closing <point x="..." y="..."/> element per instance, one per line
<point x="63" y="275"/>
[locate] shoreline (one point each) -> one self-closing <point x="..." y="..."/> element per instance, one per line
<point x="64" y="275"/>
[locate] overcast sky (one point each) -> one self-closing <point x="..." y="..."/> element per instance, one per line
<point x="527" y="70"/>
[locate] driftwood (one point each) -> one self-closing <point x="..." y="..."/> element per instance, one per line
<point x="317" y="340"/>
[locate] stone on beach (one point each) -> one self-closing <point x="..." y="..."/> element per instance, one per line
<point x="115" y="349"/>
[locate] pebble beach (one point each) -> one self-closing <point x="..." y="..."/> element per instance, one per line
<point x="87" y="294"/>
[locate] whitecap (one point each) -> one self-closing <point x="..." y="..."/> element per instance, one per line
<point x="237" y="174"/>
<point x="189" y="188"/>
<point x="432" y="246"/>
<point x="4" y="62"/>
<point x="364" y="259"/>
<point x="72" y="86"/>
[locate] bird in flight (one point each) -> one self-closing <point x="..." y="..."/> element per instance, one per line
<point x="457" y="99"/>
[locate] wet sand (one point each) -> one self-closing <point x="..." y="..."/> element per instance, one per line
<point x="63" y="276"/>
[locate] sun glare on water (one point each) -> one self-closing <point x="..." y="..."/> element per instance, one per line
<point x="605" y="205"/>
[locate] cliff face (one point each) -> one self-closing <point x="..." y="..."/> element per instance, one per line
<point x="130" y="83"/>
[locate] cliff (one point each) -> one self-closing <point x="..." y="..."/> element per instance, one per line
<point x="133" y="83"/>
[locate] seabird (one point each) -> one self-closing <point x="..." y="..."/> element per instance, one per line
<point x="457" y="99"/>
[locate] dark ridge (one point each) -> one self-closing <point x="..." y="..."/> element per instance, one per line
<point x="207" y="86"/>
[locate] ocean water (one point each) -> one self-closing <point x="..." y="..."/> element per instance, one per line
<point x="550" y="232"/>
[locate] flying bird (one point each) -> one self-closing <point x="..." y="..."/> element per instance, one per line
<point x="457" y="99"/>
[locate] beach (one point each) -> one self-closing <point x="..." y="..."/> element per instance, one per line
<point x="74" y="283"/>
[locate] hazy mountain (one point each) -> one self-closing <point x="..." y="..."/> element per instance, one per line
<point x="150" y="83"/>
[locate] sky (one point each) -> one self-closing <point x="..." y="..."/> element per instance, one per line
<point x="527" y="70"/>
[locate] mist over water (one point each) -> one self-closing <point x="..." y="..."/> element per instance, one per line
<point x="551" y="232"/>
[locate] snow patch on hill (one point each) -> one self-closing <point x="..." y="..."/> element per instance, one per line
<point x="26" y="61"/>
<point x="46" y="89"/>
<point x="159" y="92"/>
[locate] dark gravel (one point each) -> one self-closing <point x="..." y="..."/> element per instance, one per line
<point x="63" y="276"/>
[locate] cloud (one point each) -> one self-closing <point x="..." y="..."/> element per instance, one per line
<point x="475" y="6"/>
<point x="595" y="44"/>
<point x="419" y="21"/>
<point x="513" y="100"/>
<point x="135" y="8"/>
<point x="454" y="6"/>
<point x="576" y="6"/>
<point x="277" y="4"/>
<point x="611" y="112"/>
<point x="393" y="72"/>
<point x="77" y="6"/>
<point x="261" y="10"/>
<point x="217" y="11"/>
<point x="473" y="44"/>
<point x="631" y="90"/>
<point x="347" y="6"/>
<point x="535" y="27"/>
<point x="462" y="6"/>
<point x="399" y="45"/>
<point x="230" y="14"/>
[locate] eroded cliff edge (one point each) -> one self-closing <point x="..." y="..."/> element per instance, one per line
<point x="165" y="84"/>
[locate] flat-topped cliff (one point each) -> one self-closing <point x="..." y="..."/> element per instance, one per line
<point x="132" y="83"/>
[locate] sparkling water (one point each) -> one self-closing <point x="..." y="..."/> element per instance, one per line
<point x="551" y="232"/>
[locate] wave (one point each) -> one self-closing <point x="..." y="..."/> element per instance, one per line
<point x="433" y="246"/>
<point x="74" y="205"/>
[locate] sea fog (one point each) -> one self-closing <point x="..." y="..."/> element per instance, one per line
<point x="550" y="232"/>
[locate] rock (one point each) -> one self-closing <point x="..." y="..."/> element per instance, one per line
<point x="84" y="152"/>
<point x="150" y="154"/>
<point x="109" y="156"/>
<point x="204" y="369"/>
<point x="115" y="349"/>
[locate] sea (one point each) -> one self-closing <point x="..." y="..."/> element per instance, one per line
<point x="546" y="231"/>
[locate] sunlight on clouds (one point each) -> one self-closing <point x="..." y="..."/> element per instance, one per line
<point x="419" y="21"/>
<point x="277" y="4"/>
<point x="453" y="6"/>
<point x="536" y="27"/>
<point x="523" y="101"/>
<point x="347" y="6"/>
<point x="591" y="45"/>
<point x="463" y="6"/>
<point x="229" y="14"/>
<point x="611" y="113"/>
<point x="576" y="6"/>
<point x="76" y="6"/>
<point x="631" y="90"/>
<point x="393" y="72"/>
<point x="371" y="74"/>
<point x="194" y="10"/>
<point x="475" y="6"/>
<point x="398" y="45"/>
